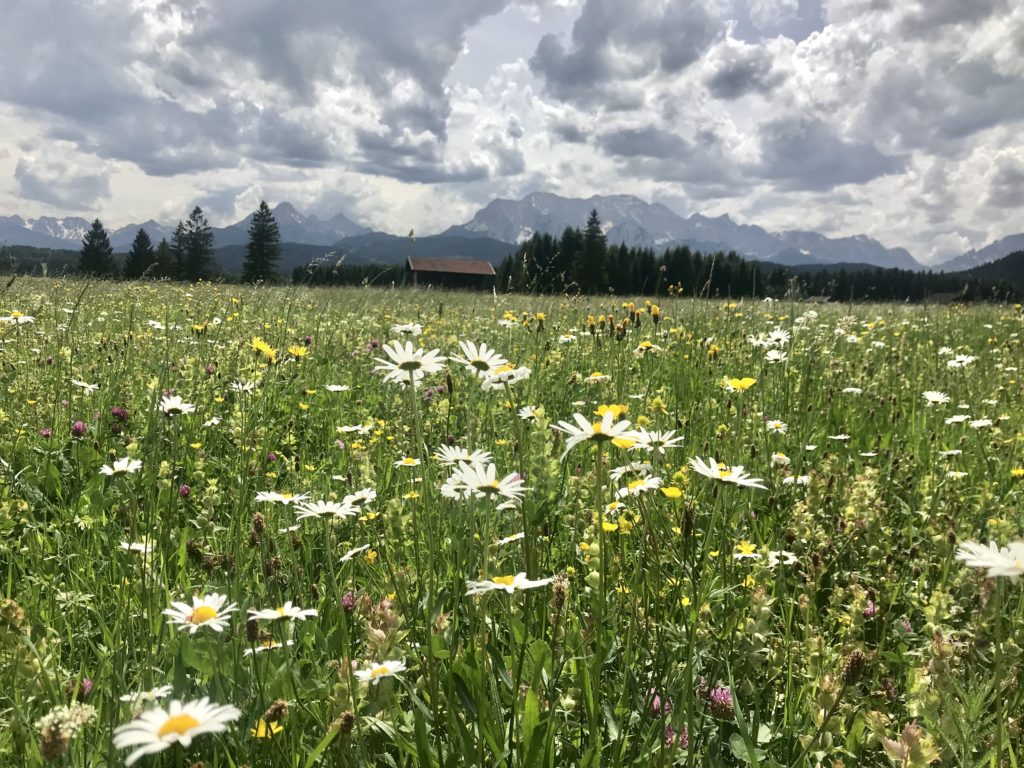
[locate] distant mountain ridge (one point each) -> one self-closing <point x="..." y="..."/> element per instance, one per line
<point x="629" y="220"/>
<point x="991" y="252"/>
<point x="626" y="219"/>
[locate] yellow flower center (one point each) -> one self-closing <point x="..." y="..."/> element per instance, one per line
<point x="177" y="724"/>
<point x="505" y="581"/>
<point x="381" y="671"/>
<point x="203" y="614"/>
<point x="725" y="474"/>
<point x="280" y="611"/>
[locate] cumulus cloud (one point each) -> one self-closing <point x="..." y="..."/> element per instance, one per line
<point x="899" y="119"/>
<point x="612" y="45"/>
<point x="61" y="183"/>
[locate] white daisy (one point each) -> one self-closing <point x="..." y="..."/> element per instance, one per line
<point x="267" y="645"/>
<point x="142" y="697"/>
<point x="633" y="469"/>
<point x="337" y="387"/>
<point x="726" y="474"/>
<point x="932" y="397"/>
<point x="1005" y="561"/>
<point x="479" y="360"/>
<point x="980" y="423"/>
<point x="307" y="509"/>
<point x="958" y="418"/>
<point x="481" y="481"/>
<point x="598" y="431"/>
<point x="360" y="498"/>
<point x="209" y="611"/>
<point x="510" y="539"/>
<point x="776" y="427"/>
<point x="530" y="412"/>
<point x="637" y="487"/>
<point x="175" y="406"/>
<point x="407" y="461"/>
<point x="504" y="376"/>
<point x="89" y="388"/>
<point x="406" y="364"/>
<point x="774" y="356"/>
<point x="407" y="329"/>
<point x="508" y="583"/>
<point x="243" y="387"/>
<point x="450" y="455"/>
<point x="286" y="611"/>
<point x="353" y="552"/>
<point x="125" y="466"/>
<point x="377" y="672"/>
<point x="656" y="442"/>
<point x="157" y="729"/>
<point x="274" y="497"/>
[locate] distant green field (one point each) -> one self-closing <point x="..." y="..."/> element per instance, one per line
<point x="234" y="494"/>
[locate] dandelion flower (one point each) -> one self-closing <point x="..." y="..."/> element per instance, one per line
<point x="158" y="729"/>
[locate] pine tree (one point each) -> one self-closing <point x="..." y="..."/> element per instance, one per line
<point x="140" y="257"/>
<point x="198" y="250"/>
<point x="179" y="246"/>
<point x="97" y="257"/>
<point x="590" y="268"/>
<point x="166" y="265"/>
<point x="264" y="248"/>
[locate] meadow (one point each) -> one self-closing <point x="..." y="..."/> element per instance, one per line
<point x="271" y="527"/>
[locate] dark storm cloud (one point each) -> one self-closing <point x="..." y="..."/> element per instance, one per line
<point x="1006" y="189"/>
<point x="613" y="43"/>
<point x="643" y="142"/>
<point x="60" y="184"/>
<point x="569" y="133"/>
<point x="176" y="107"/>
<point x="806" y="153"/>
<point x="742" y="69"/>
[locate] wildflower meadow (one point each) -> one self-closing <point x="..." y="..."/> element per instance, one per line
<point x="365" y="527"/>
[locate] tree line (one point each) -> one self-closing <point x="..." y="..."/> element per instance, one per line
<point x="583" y="262"/>
<point x="189" y="254"/>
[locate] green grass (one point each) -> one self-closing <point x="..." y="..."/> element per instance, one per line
<point x="868" y="625"/>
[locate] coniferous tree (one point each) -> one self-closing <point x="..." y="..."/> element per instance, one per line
<point x="97" y="257"/>
<point x="264" y="248"/>
<point x="140" y="257"/>
<point x="198" y="251"/>
<point x="179" y="247"/>
<point x="165" y="263"/>
<point x="590" y="268"/>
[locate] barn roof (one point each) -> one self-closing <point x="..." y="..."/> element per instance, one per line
<point x="451" y="266"/>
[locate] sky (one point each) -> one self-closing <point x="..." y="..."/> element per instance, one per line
<point x="900" y="119"/>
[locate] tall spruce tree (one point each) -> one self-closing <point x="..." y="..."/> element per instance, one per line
<point x="166" y="265"/>
<point x="140" y="257"/>
<point x="198" y="251"/>
<point x="591" y="266"/>
<point x="97" y="257"/>
<point x="179" y="247"/>
<point x="264" y="248"/>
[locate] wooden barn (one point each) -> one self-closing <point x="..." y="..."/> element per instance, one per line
<point x="450" y="273"/>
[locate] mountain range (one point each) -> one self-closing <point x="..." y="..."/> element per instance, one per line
<point x="502" y="224"/>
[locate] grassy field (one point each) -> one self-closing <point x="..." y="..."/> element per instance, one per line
<point x="214" y="492"/>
